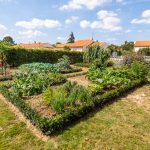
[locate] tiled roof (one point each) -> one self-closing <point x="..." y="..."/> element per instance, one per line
<point x="34" y="45"/>
<point x="79" y="43"/>
<point x="142" y="43"/>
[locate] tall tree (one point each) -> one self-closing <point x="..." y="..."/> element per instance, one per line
<point x="127" y="46"/>
<point x="71" y="38"/>
<point x="9" y="40"/>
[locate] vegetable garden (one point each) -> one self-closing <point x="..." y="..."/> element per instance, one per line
<point x="65" y="102"/>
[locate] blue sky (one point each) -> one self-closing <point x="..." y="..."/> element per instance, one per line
<point x="112" y="21"/>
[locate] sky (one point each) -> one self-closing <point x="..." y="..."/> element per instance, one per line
<point x="111" y="21"/>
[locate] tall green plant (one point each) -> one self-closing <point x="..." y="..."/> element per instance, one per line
<point x="95" y="52"/>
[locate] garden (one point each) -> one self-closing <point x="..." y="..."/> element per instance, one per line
<point x="47" y="95"/>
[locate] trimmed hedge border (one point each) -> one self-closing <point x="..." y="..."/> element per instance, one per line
<point x="5" y="78"/>
<point x="58" y="123"/>
<point x="18" y="56"/>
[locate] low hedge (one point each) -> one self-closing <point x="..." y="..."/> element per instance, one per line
<point x="18" y="56"/>
<point x="60" y="122"/>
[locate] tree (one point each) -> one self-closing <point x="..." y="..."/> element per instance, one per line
<point x="67" y="48"/>
<point x="9" y="40"/>
<point x="71" y="38"/>
<point x="114" y="48"/>
<point x="127" y="46"/>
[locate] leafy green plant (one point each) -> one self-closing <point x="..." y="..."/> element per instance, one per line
<point x="39" y="67"/>
<point x="95" y="52"/>
<point x="139" y="70"/>
<point x="64" y="63"/>
<point x="67" y="96"/>
<point x="32" y="83"/>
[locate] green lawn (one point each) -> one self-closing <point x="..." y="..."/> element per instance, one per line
<point x="121" y="125"/>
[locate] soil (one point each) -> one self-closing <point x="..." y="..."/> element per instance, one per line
<point x="81" y="80"/>
<point x="37" y="103"/>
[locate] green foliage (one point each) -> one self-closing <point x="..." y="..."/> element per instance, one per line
<point x="9" y="40"/>
<point x="59" y="123"/>
<point x="145" y="51"/>
<point x="139" y="70"/>
<point x="114" y="77"/>
<point x="32" y="83"/>
<point x="114" y="48"/>
<point x="39" y="67"/>
<point x="127" y="46"/>
<point x="95" y="52"/>
<point x="64" y="63"/>
<point x="67" y="96"/>
<point x="18" y="56"/>
<point x="71" y="38"/>
<point x="67" y="48"/>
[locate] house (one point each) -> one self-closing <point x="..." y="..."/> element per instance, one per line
<point x="79" y="45"/>
<point x="141" y="44"/>
<point x="34" y="45"/>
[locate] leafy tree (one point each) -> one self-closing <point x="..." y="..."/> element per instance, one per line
<point x="9" y="40"/>
<point x="145" y="51"/>
<point x="71" y="38"/>
<point x="67" y="48"/>
<point x="127" y="46"/>
<point x="114" y="48"/>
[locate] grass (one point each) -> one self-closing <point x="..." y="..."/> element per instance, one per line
<point x="121" y="125"/>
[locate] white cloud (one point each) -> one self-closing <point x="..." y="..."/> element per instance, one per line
<point x="146" y="14"/>
<point x="72" y="19"/>
<point x="61" y="38"/>
<point x="145" y="19"/>
<point x="2" y="28"/>
<point x="128" y="31"/>
<point x="84" y="24"/>
<point x="38" y="23"/>
<point x="105" y="14"/>
<point x="107" y="20"/>
<point x="31" y="34"/>
<point x="78" y="4"/>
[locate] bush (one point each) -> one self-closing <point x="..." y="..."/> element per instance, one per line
<point x="129" y="58"/>
<point x="145" y="51"/>
<point x="139" y="70"/>
<point x="67" y="48"/>
<point x="64" y="63"/>
<point x="18" y="56"/>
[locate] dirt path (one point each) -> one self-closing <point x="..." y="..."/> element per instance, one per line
<point x="81" y="80"/>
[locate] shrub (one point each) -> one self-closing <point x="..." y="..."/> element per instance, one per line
<point x="67" y="48"/>
<point x="139" y="70"/>
<point x="18" y="56"/>
<point x="145" y="51"/>
<point x="129" y="58"/>
<point x="64" y="63"/>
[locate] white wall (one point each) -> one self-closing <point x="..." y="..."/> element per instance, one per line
<point x="136" y="49"/>
<point x="79" y="49"/>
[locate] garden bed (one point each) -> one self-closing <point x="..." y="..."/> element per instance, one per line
<point x="53" y="125"/>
